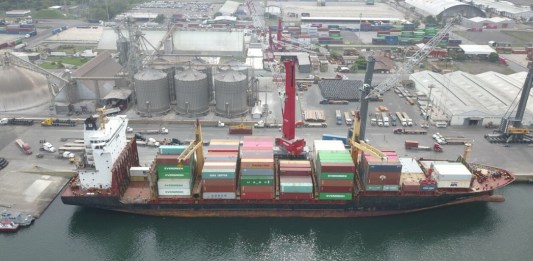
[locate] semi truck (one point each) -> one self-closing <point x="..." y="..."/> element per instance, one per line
<point x="23" y="146"/>
<point x="163" y="130"/>
<point x="348" y="118"/>
<point x="338" y="117"/>
<point x="385" y="118"/>
<point x="15" y="121"/>
<point x="263" y="124"/>
<point x="414" y="145"/>
<point x="409" y="131"/>
<point x="49" y="122"/>
<point x="402" y="120"/>
<point x="407" y="119"/>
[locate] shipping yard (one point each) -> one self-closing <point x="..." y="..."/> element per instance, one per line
<point x="229" y="74"/>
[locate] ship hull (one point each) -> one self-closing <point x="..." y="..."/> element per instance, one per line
<point x="362" y="206"/>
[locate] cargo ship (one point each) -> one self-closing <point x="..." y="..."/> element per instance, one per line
<point x="248" y="177"/>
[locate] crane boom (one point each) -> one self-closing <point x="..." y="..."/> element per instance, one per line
<point x="419" y="56"/>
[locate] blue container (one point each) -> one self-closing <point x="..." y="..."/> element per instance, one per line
<point x="385" y="168"/>
<point x="428" y="187"/>
<point x="335" y="137"/>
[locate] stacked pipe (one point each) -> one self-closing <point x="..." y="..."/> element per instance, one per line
<point x="219" y="171"/>
<point x="257" y="167"/>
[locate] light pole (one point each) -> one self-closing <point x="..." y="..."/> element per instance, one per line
<point x="431" y="86"/>
<point x="360" y="22"/>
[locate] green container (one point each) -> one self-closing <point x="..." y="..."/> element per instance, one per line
<point x="369" y="187"/>
<point x="218" y="175"/>
<point x="174" y="175"/>
<point x="174" y="171"/>
<point x="257" y="180"/>
<point x="340" y="175"/>
<point x="406" y="33"/>
<point x="335" y="196"/>
<point x="304" y="188"/>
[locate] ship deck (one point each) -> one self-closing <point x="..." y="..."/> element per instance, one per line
<point x="137" y="192"/>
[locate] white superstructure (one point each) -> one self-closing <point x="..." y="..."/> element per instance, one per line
<point x="102" y="146"/>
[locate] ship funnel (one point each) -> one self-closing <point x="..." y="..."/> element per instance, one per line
<point x="90" y="123"/>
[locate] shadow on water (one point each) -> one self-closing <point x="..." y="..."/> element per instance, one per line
<point x="235" y="238"/>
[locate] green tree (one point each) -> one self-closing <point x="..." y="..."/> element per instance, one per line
<point x="160" y="18"/>
<point x="494" y="57"/>
<point x="430" y="20"/>
<point x="334" y="55"/>
<point x="361" y="62"/>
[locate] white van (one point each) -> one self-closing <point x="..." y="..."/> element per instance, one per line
<point x="441" y="124"/>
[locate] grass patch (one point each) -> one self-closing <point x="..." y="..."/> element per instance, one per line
<point x="69" y="60"/>
<point x="49" y="14"/>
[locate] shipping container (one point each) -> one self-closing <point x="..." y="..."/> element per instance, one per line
<point x="174" y="192"/>
<point x="391" y="187"/>
<point x="257" y="172"/>
<point x="174" y="183"/>
<point x="257" y="195"/>
<point x="428" y="187"/>
<point x="336" y="175"/>
<point x="336" y="189"/>
<point x="139" y="171"/>
<point x="138" y="178"/>
<point x="218" y="195"/>
<point x="173" y="169"/>
<point x="335" y="196"/>
<point x="336" y="182"/>
<point x="218" y="182"/>
<point x="218" y="189"/>
<point x="218" y="175"/>
<point x="370" y="187"/>
<point x="256" y="180"/>
<point x="410" y="186"/>
<point x="171" y="149"/>
<point x="296" y="195"/>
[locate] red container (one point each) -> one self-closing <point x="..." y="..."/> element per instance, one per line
<point x="218" y="188"/>
<point x="336" y="189"/>
<point x="219" y="182"/>
<point x="411" y="186"/>
<point x="337" y="167"/>
<point x="383" y="178"/>
<point x="336" y="183"/>
<point x="257" y="163"/>
<point x="255" y="195"/>
<point x="168" y="160"/>
<point x="223" y="154"/>
<point x="296" y="196"/>
<point x="294" y="172"/>
<point x="257" y="189"/>
<point x="294" y="163"/>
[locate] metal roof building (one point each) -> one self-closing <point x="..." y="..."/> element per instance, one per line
<point x="505" y="8"/>
<point x="499" y="22"/>
<point x="446" y="8"/>
<point x="200" y="43"/>
<point x="18" y="13"/>
<point x="229" y="8"/>
<point x="468" y="99"/>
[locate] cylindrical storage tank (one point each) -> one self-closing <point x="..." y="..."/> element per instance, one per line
<point x="170" y="70"/>
<point x="230" y="93"/>
<point x="192" y="92"/>
<point x="201" y="65"/>
<point x="151" y="90"/>
<point x="244" y="69"/>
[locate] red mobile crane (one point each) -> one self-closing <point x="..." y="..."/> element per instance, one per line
<point x="289" y="142"/>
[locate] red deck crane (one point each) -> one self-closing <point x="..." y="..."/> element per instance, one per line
<point x="289" y="142"/>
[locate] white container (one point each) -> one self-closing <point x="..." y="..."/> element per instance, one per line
<point x="174" y="192"/>
<point x="410" y="165"/>
<point x="218" y="195"/>
<point x="139" y="171"/>
<point x="451" y="172"/>
<point x="174" y="184"/>
<point x="453" y="184"/>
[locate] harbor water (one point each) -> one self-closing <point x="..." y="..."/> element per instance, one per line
<point x="481" y="231"/>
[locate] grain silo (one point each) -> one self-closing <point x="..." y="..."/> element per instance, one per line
<point x="231" y="90"/>
<point x="151" y="90"/>
<point x="244" y="69"/>
<point x="202" y="66"/>
<point x="170" y="70"/>
<point x="192" y="92"/>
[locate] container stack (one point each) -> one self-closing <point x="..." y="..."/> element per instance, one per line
<point x="381" y="175"/>
<point x="220" y="168"/>
<point x="335" y="173"/>
<point x="174" y="178"/>
<point x="257" y="168"/>
<point x="412" y="175"/>
<point x="295" y="180"/>
<point x="451" y="174"/>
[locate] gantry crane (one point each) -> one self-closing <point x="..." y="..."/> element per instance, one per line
<point x="195" y="148"/>
<point x="289" y="142"/>
<point x="511" y="129"/>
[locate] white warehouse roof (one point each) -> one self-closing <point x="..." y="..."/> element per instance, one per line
<point x="433" y="7"/>
<point x="486" y="94"/>
<point x="229" y="8"/>
<point x="476" y="49"/>
<point x="503" y="6"/>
